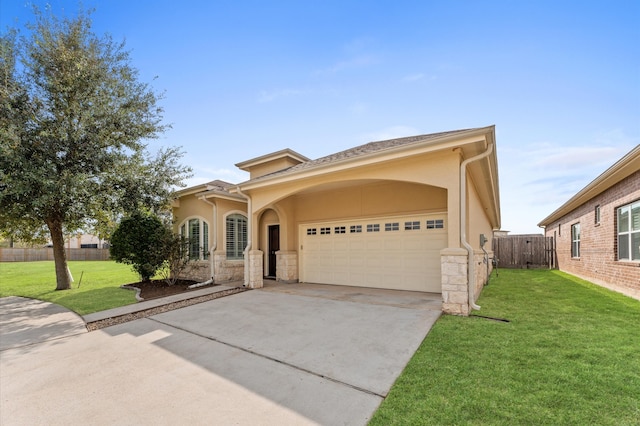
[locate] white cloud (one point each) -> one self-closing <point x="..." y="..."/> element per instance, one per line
<point x="355" y="62"/>
<point x="410" y="78"/>
<point x="392" y="132"/>
<point x="358" y="108"/>
<point x="357" y="44"/>
<point x="272" y="95"/>
<point x="575" y="157"/>
<point x="414" y="77"/>
<point x="537" y="179"/>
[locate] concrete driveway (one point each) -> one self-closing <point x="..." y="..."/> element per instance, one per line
<point x="285" y="354"/>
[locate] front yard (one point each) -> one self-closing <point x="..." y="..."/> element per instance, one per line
<point x="96" y="285"/>
<point x="569" y="355"/>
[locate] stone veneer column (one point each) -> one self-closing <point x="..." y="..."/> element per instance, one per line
<point x="255" y="269"/>
<point x="287" y="266"/>
<point x="455" y="290"/>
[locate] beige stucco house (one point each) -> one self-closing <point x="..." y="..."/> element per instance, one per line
<point x="597" y="231"/>
<point x="412" y="213"/>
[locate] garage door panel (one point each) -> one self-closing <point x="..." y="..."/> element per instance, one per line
<point x="384" y="254"/>
<point x="374" y="243"/>
<point x="394" y="243"/>
<point x="341" y="245"/>
<point x="355" y="246"/>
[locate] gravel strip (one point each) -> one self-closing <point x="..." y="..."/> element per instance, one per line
<point x="108" y="322"/>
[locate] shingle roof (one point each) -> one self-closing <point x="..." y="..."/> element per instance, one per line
<point x="219" y="185"/>
<point x="368" y="148"/>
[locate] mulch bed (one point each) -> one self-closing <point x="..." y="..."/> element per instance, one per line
<point x="159" y="288"/>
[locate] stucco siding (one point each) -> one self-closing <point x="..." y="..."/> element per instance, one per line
<point x="369" y="200"/>
<point x="377" y="199"/>
<point x="598" y="243"/>
<point x="192" y="207"/>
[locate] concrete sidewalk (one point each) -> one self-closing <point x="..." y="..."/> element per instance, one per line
<point x="29" y="321"/>
<point x="282" y="355"/>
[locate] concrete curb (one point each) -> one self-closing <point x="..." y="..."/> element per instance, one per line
<point x="154" y="303"/>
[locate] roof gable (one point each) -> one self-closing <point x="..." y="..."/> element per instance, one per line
<point x="371" y="148"/>
<point x="270" y="163"/>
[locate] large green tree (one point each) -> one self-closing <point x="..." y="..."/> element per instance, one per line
<point x="74" y="126"/>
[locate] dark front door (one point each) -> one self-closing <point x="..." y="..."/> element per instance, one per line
<point x="274" y="246"/>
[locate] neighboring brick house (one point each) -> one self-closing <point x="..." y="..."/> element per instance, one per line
<point x="597" y="231"/>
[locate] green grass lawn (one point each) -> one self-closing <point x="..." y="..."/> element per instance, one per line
<point x="98" y="290"/>
<point x="570" y="355"/>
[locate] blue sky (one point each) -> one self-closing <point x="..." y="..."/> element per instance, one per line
<point x="559" y="79"/>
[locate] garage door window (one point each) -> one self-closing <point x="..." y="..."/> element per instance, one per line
<point x="340" y="230"/>
<point x="373" y="227"/>
<point x="311" y="231"/>
<point x="411" y="226"/>
<point x="435" y="224"/>
<point x="394" y="226"/>
<point x="355" y="229"/>
<point x="325" y="231"/>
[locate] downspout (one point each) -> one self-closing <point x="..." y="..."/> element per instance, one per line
<point x="249" y="232"/>
<point x="463" y="224"/>
<point x="214" y="246"/>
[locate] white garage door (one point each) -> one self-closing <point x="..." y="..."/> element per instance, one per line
<point x="400" y="253"/>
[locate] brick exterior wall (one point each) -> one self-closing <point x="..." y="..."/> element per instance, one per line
<point x="598" y="242"/>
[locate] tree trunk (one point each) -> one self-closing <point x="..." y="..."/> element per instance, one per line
<point x="63" y="281"/>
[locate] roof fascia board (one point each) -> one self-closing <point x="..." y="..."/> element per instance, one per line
<point x="624" y="167"/>
<point x="222" y="195"/>
<point x="270" y="157"/>
<point x="430" y="145"/>
<point x="190" y="190"/>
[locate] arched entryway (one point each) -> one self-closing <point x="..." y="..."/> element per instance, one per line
<point x="369" y="233"/>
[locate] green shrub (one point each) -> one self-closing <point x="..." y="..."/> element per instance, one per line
<point x="141" y="241"/>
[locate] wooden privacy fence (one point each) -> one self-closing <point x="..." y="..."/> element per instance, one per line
<point x="34" y="254"/>
<point x="524" y="251"/>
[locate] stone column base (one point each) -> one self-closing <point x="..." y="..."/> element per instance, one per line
<point x="287" y="266"/>
<point x="455" y="290"/>
<point x="255" y="269"/>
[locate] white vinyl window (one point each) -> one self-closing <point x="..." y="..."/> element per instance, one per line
<point x="236" y="236"/>
<point x="629" y="232"/>
<point x="575" y="240"/>
<point x="197" y="232"/>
